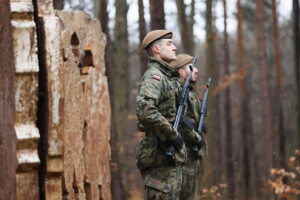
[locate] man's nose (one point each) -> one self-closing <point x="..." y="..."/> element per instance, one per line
<point x="174" y="48"/>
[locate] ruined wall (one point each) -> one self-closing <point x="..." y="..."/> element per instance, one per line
<point x="62" y="118"/>
<point x="26" y="97"/>
<point x="83" y="53"/>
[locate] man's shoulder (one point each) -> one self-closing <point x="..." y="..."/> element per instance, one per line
<point x="154" y="73"/>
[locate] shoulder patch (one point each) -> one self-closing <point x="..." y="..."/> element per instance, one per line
<point x="155" y="77"/>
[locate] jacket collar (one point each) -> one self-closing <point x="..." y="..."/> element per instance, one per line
<point x="163" y="67"/>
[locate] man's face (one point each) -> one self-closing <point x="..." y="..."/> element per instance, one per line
<point x="194" y="74"/>
<point x="166" y="50"/>
<point x="185" y="72"/>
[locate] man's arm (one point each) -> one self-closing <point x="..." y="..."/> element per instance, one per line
<point x="147" y="110"/>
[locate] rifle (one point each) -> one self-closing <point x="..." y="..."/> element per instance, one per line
<point x="203" y="113"/>
<point x="182" y="103"/>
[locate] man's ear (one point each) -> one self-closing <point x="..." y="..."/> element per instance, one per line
<point x="181" y="72"/>
<point x="156" y="49"/>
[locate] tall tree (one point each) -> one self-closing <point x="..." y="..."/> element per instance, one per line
<point x="157" y="14"/>
<point x="120" y="82"/>
<point x="116" y="172"/>
<point x="191" y="24"/>
<point x="210" y="72"/>
<point x="278" y="102"/>
<point x="185" y="28"/>
<point x="8" y="159"/>
<point x="229" y="141"/>
<point x="248" y="157"/>
<point x="262" y="58"/>
<point x="58" y="4"/>
<point x="210" y="36"/>
<point x="142" y="31"/>
<point x="296" y="15"/>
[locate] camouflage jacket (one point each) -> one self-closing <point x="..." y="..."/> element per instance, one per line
<point x="192" y="112"/>
<point x="156" y="112"/>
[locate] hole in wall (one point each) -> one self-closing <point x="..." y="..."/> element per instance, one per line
<point x="75" y="44"/>
<point x="88" y="191"/>
<point x="87" y="61"/>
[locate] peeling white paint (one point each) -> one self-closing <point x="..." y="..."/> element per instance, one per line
<point x="21" y="6"/>
<point x="53" y="45"/>
<point x="28" y="157"/>
<point x="25" y="46"/>
<point x="26" y="131"/>
<point x="53" y="145"/>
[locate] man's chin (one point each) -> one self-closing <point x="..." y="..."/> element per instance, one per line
<point x="170" y="60"/>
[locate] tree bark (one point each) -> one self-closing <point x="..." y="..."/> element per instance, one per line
<point x="248" y="185"/>
<point x="7" y="106"/>
<point x="278" y="101"/>
<point x="120" y="88"/>
<point x="142" y="31"/>
<point x="266" y="115"/>
<point x="157" y="14"/>
<point x="296" y="15"/>
<point x="186" y="37"/>
<point x="191" y="25"/>
<point x="229" y="139"/>
<point x="210" y="72"/>
<point x="58" y="4"/>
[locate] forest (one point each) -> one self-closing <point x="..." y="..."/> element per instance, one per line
<point x="252" y="53"/>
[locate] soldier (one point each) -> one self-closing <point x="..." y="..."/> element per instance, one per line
<point x="156" y="111"/>
<point x="189" y="126"/>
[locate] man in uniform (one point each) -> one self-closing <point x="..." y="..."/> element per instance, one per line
<point x="195" y="145"/>
<point x="160" y="167"/>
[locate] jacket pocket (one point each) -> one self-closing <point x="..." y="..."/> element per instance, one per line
<point x="157" y="184"/>
<point x="146" y="155"/>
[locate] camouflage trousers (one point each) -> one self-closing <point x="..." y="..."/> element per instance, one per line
<point x="190" y="173"/>
<point x="163" y="183"/>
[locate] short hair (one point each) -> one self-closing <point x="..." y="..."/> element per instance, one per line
<point x="149" y="47"/>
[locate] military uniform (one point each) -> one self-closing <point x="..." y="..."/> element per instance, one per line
<point x="156" y="112"/>
<point x="191" y="169"/>
<point x="191" y="138"/>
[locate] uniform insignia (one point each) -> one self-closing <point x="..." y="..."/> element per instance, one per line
<point x="156" y="77"/>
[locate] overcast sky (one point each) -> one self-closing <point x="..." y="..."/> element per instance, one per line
<point x="284" y="9"/>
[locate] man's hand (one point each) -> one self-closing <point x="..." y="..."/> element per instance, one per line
<point x="178" y="142"/>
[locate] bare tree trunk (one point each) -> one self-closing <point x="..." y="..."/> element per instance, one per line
<point x="120" y="89"/>
<point x="296" y="14"/>
<point x="262" y="57"/>
<point x="248" y="156"/>
<point x="191" y="25"/>
<point x="229" y="139"/>
<point x="210" y="36"/>
<point x="116" y="173"/>
<point x="8" y="159"/>
<point x="157" y="14"/>
<point x="219" y="144"/>
<point x="278" y="101"/>
<point x="58" y="4"/>
<point x="142" y="31"/>
<point x="210" y="72"/>
<point x="186" y="38"/>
